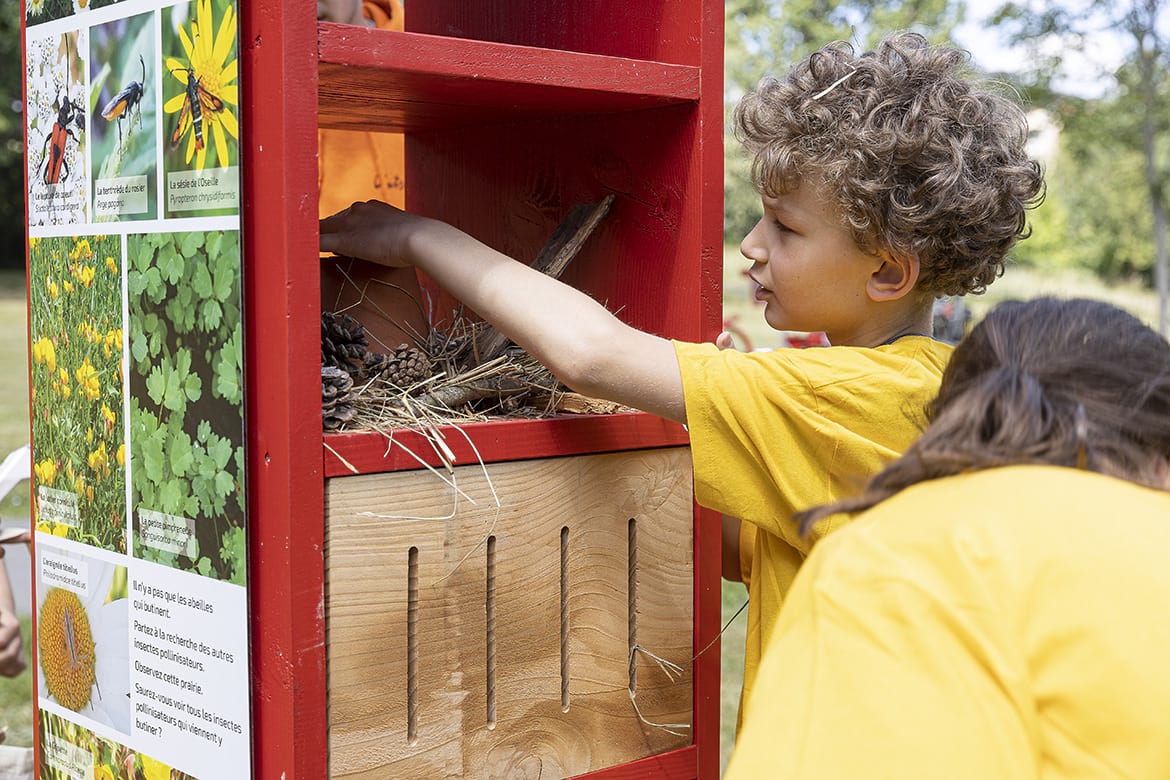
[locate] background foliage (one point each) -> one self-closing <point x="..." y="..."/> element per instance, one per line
<point x="11" y="139"/>
<point x="1107" y="176"/>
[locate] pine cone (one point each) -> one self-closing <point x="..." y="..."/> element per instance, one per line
<point x="337" y="397"/>
<point x="406" y="366"/>
<point x="343" y="341"/>
<point x="373" y="364"/>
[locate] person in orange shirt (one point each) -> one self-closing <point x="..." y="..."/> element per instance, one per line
<point x="359" y="165"/>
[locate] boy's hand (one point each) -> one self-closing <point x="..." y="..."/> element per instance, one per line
<point x="373" y="231"/>
<point x="12" y="660"/>
<point x="725" y="340"/>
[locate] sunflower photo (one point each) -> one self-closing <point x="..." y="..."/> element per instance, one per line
<point x="200" y="108"/>
<point x="82" y="625"/>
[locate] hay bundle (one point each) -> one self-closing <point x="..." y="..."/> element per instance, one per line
<point x="468" y="373"/>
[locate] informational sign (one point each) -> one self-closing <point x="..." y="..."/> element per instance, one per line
<point x="133" y="159"/>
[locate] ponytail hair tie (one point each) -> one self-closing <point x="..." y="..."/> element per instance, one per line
<point x="1081" y="428"/>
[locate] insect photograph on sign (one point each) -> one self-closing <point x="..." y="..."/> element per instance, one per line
<point x="200" y="97"/>
<point x="123" y="110"/>
<point x="197" y="101"/>
<point x="200" y="93"/>
<point x="56" y="124"/>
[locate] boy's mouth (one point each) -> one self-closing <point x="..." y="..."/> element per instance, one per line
<point x="759" y="291"/>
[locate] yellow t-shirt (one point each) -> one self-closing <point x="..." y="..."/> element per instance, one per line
<point x="1010" y="623"/>
<point x="776" y="432"/>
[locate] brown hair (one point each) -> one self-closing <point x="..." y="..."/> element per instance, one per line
<point x="921" y="159"/>
<point x="1076" y="383"/>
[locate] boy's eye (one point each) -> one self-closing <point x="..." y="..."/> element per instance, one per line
<point x="781" y="226"/>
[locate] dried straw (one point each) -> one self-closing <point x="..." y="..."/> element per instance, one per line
<point x="512" y="386"/>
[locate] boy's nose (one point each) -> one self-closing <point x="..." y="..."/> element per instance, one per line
<point x="749" y="247"/>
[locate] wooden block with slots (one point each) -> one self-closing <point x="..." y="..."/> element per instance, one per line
<point x="505" y="638"/>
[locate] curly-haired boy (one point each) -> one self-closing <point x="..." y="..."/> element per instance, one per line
<point x="887" y="179"/>
<point x="919" y="160"/>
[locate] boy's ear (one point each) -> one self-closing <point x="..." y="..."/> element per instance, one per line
<point x="895" y="277"/>
<point x="1164" y="473"/>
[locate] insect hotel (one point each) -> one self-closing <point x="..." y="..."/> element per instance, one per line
<point x="458" y="569"/>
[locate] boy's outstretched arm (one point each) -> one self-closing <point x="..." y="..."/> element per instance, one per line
<point x="583" y="344"/>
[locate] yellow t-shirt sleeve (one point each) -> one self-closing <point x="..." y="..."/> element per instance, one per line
<point x="773" y="433"/>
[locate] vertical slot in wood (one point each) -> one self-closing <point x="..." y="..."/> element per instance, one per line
<point x="632" y="600"/>
<point x="565" y="619"/>
<point x="490" y="613"/>
<point x="412" y="646"/>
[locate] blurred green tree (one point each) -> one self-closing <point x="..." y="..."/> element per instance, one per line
<point x="764" y="37"/>
<point x="1117" y="146"/>
<point x="12" y="217"/>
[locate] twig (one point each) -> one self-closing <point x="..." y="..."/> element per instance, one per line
<point x="552" y="260"/>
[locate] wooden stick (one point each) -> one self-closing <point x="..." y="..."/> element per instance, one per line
<point x="454" y="396"/>
<point x="552" y="260"/>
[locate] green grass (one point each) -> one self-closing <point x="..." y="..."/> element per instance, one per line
<point x="16" y="694"/>
<point x="14" y="427"/>
<point x="13" y="367"/>
<point x="730" y="666"/>
<point x="16" y="711"/>
<point x="14" y="424"/>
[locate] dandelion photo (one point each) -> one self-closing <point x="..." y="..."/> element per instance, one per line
<point x="81" y="637"/>
<point x="200" y="92"/>
<point x="79" y="455"/>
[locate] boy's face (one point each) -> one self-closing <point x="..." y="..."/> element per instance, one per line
<point x="807" y="269"/>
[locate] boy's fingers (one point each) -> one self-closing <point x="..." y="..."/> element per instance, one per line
<point x="331" y="229"/>
<point x="332" y="223"/>
<point x="725" y="341"/>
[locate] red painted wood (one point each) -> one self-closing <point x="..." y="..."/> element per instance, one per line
<point x="660" y="31"/>
<point x="404" y="82"/>
<point x="642" y="262"/>
<point x="285" y="488"/>
<point x="708" y="525"/>
<point x="497" y="441"/>
<point x="502" y="140"/>
<point x="36" y="668"/>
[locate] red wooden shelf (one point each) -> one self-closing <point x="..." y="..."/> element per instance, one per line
<point x="677" y="763"/>
<point x="512" y="113"/>
<point x="402" y="82"/>
<point x="499" y="440"/>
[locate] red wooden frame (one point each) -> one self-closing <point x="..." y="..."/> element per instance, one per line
<point x="282" y="314"/>
<point x="673" y="71"/>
